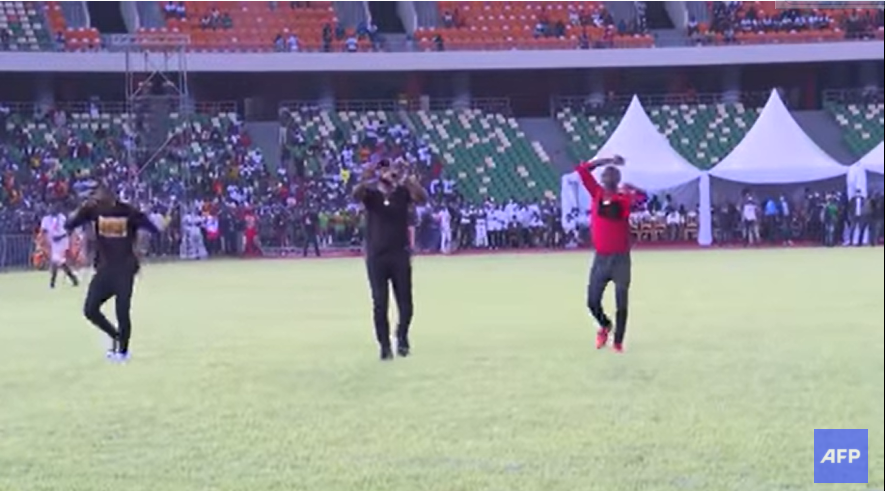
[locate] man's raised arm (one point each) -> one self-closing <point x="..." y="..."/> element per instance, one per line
<point x="585" y="170"/>
<point x="416" y="190"/>
<point x="144" y="223"/>
<point x="362" y="187"/>
<point x="79" y="218"/>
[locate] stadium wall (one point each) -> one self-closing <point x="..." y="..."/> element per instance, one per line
<point x="111" y="62"/>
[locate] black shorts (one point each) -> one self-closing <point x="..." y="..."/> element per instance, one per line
<point x="615" y="268"/>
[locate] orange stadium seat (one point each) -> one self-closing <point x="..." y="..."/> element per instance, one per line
<point x="254" y="25"/>
<point x="75" y="39"/>
<point x="511" y="25"/>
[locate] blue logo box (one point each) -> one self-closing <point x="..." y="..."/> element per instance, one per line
<point x="841" y="457"/>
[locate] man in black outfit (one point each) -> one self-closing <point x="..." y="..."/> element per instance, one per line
<point x="387" y="193"/>
<point x="116" y="226"/>
<point x="311" y="222"/>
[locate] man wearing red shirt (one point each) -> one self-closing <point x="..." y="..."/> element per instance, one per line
<point x="610" y="231"/>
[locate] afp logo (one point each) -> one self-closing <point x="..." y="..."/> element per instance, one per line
<point x="840" y="457"/>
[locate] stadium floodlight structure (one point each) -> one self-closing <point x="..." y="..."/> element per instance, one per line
<point x="161" y="117"/>
<point x="158" y="106"/>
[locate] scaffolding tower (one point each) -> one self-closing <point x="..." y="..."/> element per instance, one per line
<point x="159" y="108"/>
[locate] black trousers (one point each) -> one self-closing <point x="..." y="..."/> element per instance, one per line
<point x="116" y="283"/>
<point x="385" y="271"/>
<point x="311" y="241"/>
<point x="610" y="268"/>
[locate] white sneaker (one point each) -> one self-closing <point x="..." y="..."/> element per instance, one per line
<point x="120" y="358"/>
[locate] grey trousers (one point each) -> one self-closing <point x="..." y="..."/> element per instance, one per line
<point x="610" y="268"/>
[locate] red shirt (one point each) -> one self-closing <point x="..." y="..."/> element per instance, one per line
<point x="610" y="235"/>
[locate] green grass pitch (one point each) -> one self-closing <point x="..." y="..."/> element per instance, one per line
<point x="262" y="376"/>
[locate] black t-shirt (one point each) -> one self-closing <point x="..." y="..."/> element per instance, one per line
<point x="116" y="230"/>
<point x="387" y="221"/>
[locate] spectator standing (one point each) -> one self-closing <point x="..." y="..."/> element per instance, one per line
<point x="750" y="216"/>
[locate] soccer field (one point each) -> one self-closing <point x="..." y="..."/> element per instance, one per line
<point x="263" y="376"/>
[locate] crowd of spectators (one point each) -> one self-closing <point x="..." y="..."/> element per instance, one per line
<point x="827" y="218"/>
<point x="730" y="19"/>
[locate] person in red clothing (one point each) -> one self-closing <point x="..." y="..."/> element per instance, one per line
<point x="610" y="231"/>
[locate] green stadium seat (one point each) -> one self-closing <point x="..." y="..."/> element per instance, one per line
<point x="586" y="133"/>
<point x="704" y="133"/>
<point x="26" y="24"/>
<point x="487" y="155"/>
<point x="862" y="125"/>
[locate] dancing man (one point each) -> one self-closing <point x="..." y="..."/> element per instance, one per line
<point x="610" y="230"/>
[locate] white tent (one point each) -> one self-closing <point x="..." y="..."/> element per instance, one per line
<point x="875" y="160"/>
<point x="777" y="151"/>
<point x="873" y="164"/>
<point x="652" y="165"/>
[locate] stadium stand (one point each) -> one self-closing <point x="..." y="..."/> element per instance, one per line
<point x="862" y="124"/>
<point x="586" y="132"/>
<point x="74" y="143"/>
<point x="764" y="22"/>
<point x="22" y="27"/>
<point x="703" y="133"/>
<point x="527" y="25"/>
<point x="257" y="26"/>
<point x="487" y="155"/>
<point x="69" y="38"/>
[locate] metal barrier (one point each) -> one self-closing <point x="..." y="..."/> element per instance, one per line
<point x="487" y="104"/>
<point x="16" y="252"/>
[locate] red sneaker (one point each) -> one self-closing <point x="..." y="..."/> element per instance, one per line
<point x="619" y="348"/>
<point x="602" y="338"/>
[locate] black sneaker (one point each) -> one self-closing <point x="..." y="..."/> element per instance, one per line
<point x="402" y="348"/>
<point x="386" y="353"/>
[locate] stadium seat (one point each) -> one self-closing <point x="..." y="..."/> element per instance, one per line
<point x="24" y="22"/>
<point x="704" y="133"/>
<point x="487" y="155"/>
<point x="74" y="39"/>
<point x="586" y="133"/>
<point x="511" y="25"/>
<point x="862" y="125"/>
<point x="102" y="128"/>
<point x="843" y="21"/>
<point x="323" y="125"/>
<point x="255" y="25"/>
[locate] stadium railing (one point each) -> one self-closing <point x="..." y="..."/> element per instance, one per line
<point x="855" y="96"/>
<point x="621" y="101"/>
<point x="109" y="107"/>
<point x="16" y="252"/>
<point x="487" y="104"/>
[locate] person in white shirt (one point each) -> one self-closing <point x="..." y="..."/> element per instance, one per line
<point x="292" y="42"/>
<point x="750" y="216"/>
<point x="856" y="219"/>
<point x="675" y="220"/>
<point x="481" y="228"/>
<point x="445" y="230"/>
<point x="192" y="244"/>
<point x="57" y="244"/>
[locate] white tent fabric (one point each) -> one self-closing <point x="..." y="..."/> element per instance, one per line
<point x="652" y="165"/>
<point x="857" y="181"/>
<point x="875" y="160"/>
<point x="777" y="151"/>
